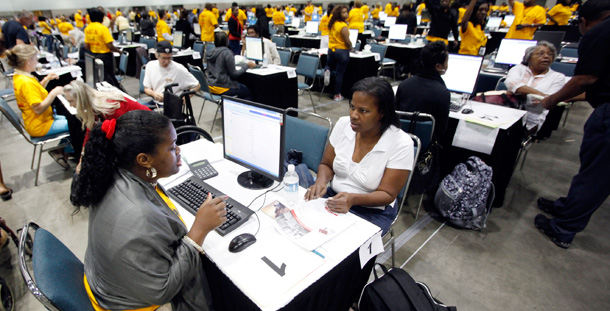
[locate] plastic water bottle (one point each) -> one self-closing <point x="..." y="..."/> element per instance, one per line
<point x="55" y="62"/>
<point x="492" y="59"/>
<point x="291" y="186"/>
<point x="265" y="63"/>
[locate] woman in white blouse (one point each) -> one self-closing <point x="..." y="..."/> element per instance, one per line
<point x="368" y="158"/>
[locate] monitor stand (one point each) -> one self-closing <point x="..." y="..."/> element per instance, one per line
<point x="254" y="180"/>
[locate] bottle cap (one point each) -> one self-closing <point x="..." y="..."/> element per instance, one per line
<point x="290" y="167"/>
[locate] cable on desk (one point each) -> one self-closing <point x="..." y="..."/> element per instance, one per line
<point x="258" y="221"/>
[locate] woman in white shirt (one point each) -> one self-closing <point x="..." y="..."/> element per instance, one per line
<point x="269" y="49"/>
<point x="368" y="158"/>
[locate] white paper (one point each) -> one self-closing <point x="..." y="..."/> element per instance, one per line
<point x="73" y="55"/>
<point x="291" y="74"/>
<point x="196" y="55"/>
<point x="475" y="137"/>
<point x="64" y="101"/>
<point x="370" y="248"/>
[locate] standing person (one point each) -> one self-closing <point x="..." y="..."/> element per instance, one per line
<point x="99" y="42"/>
<point x="339" y="46"/>
<point x="589" y="188"/>
<point x="279" y="19"/>
<point x="122" y="23"/>
<point x="472" y="29"/>
<point x="375" y="14"/>
<point x="263" y="22"/>
<point x="355" y="18"/>
<point x="140" y="254"/>
<point x="324" y="26"/>
<point x="187" y="29"/>
<point x="560" y="14"/>
<point x="207" y="23"/>
<point x="307" y="12"/>
<point x="147" y="27"/>
<point x="64" y="27"/>
<point x="407" y="17"/>
<point x="222" y="75"/>
<point x="236" y="29"/>
<point x="78" y="19"/>
<point x="13" y="32"/>
<point x="442" y="20"/>
<point x="164" y="33"/>
<point x="46" y="30"/>
<point x="528" y="17"/>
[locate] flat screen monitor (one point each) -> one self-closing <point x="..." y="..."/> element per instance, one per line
<point x="254" y="48"/>
<point x="397" y="32"/>
<point x="462" y="73"/>
<point x="129" y="35"/>
<point x="382" y="16"/>
<point x="353" y="36"/>
<point x="418" y="17"/>
<point x="312" y="27"/>
<point x="197" y="29"/>
<point x="92" y="72"/>
<point x="554" y="37"/>
<point x="389" y="21"/>
<point x="178" y="39"/>
<point x="494" y="22"/>
<point x="508" y="19"/>
<point x="296" y="22"/>
<point x="315" y="17"/>
<point x="253" y="136"/>
<point x="511" y="51"/>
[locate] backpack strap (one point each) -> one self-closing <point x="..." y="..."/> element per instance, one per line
<point x="408" y="287"/>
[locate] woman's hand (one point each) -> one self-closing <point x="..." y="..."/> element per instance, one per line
<point x="341" y="203"/>
<point x="316" y="191"/>
<point x="57" y="91"/>
<point x="251" y="64"/>
<point x="211" y="214"/>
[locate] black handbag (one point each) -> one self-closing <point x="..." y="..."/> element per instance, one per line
<point x="426" y="174"/>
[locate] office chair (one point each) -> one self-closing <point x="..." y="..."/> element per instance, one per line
<point x="500" y="85"/>
<point x="35" y="141"/>
<point x="57" y="275"/>
<point x="284" y="57"/>
<point x="198" y="47"/>
<point x="569" y="51"/>
<point x="143" y="98"/>
<point x="192" y="129"/>
<point x="150" y="42"/>
<point x="383" y="61"/>
<point x="306" y="67"/>
<point x="204" y="92"/>
<point x="8" y="73"/>
<point x="313" y="143"/>
<point x="122" y="68"/>
<point x="565" y="68"/>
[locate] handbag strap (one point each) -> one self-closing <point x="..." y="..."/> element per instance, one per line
<point x="414" y="118"/>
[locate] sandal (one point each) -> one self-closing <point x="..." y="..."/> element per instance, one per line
<point x="7" y="195"/>
<point x="60" y="158"/>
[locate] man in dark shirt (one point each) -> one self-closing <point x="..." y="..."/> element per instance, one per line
<point x="442" y="20"/>
<point x="591" y="186"/>
<point x="13" y="32"/>
<point x="407" y="17"/>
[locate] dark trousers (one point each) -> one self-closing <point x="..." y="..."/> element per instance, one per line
<point x="242" y="92"/>
<point x="590" y="187"/>
<point x="109" y="76"/>
<point x="235" y="47"/>
<point x="49" y="43"/>
<point x="337" y="61"/>
<point x="77" y="134"/>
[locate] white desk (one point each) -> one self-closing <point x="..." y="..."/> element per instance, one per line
<point x="256" y="279"/>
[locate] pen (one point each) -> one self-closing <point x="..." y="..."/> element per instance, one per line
<point x="317" y="253"/>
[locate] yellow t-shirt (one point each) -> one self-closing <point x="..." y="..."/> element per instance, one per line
<point x="64" y="27"/>
<point x="461" y="12"/>
<point x="216" y="13"/>
<point x="396" y="12"/>
<point x="279" y="18"/>
<point x="97" y="36"/>
<point x="309" y="10"/>
<point x="28" y="91"/>
<point x="324" y="25"/>
<point x="365" y="11"/>
<point x="46" y="28"/>
<point x="269" y="12"/>
<point x="118" y="13"/>
<point x="88" y="19"/>
<point x="388" y="8"/>
<point x="78" y="19"/>
<point x="162" y="28"/>
<point x="561" y="14"/>
<point x="52" y="21"/>
<point x="375" y="13"/>
<point x="504" y="8"/>
<point x="420" y="8"/>
<point x="207" y="21"/>
<point x="228" y="14"/>
<point x="472" y="39"/>
<point x="335" y="39"/>
<point x="97" y="307"/>
<point x="574" y="7"/>
<point x="530" y="15"/>
<point x="355" y="20"/>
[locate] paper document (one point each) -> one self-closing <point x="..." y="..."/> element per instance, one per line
<point x="64" y="101"/>
<point x="475" y="137"/>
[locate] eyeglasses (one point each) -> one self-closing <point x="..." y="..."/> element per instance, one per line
<point x="539" y="54"/>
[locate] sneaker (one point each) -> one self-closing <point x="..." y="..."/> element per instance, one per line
<point x="543" y="224"/>
<point x="338" y="97"/>
<point x="546" y="206"/>
<point x="326" y="77"/>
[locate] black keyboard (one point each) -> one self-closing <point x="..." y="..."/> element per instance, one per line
<point x="455" y="106"/>
<point x="192" y="192"/>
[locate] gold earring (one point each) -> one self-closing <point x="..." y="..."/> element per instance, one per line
<point x="151" y="173"/>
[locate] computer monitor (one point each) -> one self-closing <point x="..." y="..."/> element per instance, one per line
<point x="253" y="136"/>
<point x="353" y="36"/>
<point x="397" y="32"/>
<point x="254" y="48"/>
<point x="418" y="17"/>
<point x="508" y="19"/>
<point x="197" y="29"/>
<point x="312" y="27"/>
<point x="382" y="16"/>
<point x="554" y="37"/>
<point x="511" y="51"/>
<point x="178" y="39"/>
<point x="93" y="74"/>
<point x="389" y="21"/>
<point x="296" y="22"/>
<point x="315" y="17"/>
<point x="494" y="22"/>
<point x="462" y="74"/>
<point x="129" y="35"/>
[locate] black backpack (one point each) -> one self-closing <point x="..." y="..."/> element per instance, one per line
<point x="396" y="290"/>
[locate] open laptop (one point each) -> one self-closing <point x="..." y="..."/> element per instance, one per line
<point x="461" y="77"/>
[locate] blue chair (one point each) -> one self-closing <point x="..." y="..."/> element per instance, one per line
<point x="313" y="143"/>
<point x="150" y="42"/>
<point x="122" y="67"/>
<point x="57" y="280"/>
<point x="295" y="50"/>
<point x="198" y="47"/>
<point x="7" y="72"/>
<point x="144" y="100"/>
<point x="569" y="52"/>
<point x="565" y="68"/>
<point x="284" y="57"/>
<point x="501" y="86"/>
<point x="306" y="67"/>
<point x="376" y="32"/>
<point x="204" y="92"/>
<point x="10" y="114"/>
<point x="383" y="62"/>
<point x="280" y="41"/>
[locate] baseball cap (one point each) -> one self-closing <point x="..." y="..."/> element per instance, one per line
<point x="164" y="47"/>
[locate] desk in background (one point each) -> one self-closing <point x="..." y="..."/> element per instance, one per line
<point x="406" y="55"/>
<point x="132" y="55"/>
<point x="303" y="41"/>
<point x="272" y="86"/>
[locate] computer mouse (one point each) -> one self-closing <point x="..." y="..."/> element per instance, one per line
<point x="241" y="242"/>
<point x="467" y="111"/>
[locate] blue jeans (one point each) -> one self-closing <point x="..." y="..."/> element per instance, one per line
<point x="337" y="61"/>
<point x="49" y="43"/>
<point x="235" y="47"/>
<point x="242" y="92"/>
<point x="60" y="124"/>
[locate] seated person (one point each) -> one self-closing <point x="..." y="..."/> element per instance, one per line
<point x="222" y="74"/>
<point x="164" y="71"/>
<point x="269" y="49"/>
<point x="93" y="106"/>
<point x="426" y="92"/>
<point x="140" y="253"/>
<point x="368" y="158"/>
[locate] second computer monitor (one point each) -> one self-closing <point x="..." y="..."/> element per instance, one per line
<point x="178" y="38"/>
<point x="511" y="51"/>
<point x="397" y="32"/>
<point x="254" y="48"/>
<point x="253" y="136"/>
<point x="92" y="72"/>
<point x="494" y="22"/>
<point x="129" y="35"/>
<point x="389" y="21"/>
<point x="312" y="27"/>
<point x="353" y="36"/>
<point x="296" y="22"/>
<point x="462" y="74"/>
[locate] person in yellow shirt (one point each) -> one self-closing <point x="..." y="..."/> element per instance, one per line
<point x="118" y="12"/>
<point x="364" y="9"/>
<point x="420" y="8"/>
<point x="279" y="20"/>
<point x="99" y="41"/>
<point x="528" y="17"/>
<point x="324" y="22"/>
<point x="164" y="33"/>
<point x="152" y="14"/>
<point x="269" y="11"/>
<point x="46" y="30"/>
<point x="307" y="12"/>
<point x="355" y="18"/>
<point x="472" y="28"/>
<point x="207" y="22"/>
<point x="461" y="11"/>
<point x="339" y="46"/>
<point x="574" y="7"/>
<point x="52" y="22"/>
<point x="215" y="11"/>
<point x="375" y="14"/>
<point x="560" y="14"/>
<point x="241" y="15"/>
<point x="504" y="8"/>
<point x="388" y="8"/>
<point x="78" y="19"/>
<point x="64" y="27"/>
<point x="88" y="18"/>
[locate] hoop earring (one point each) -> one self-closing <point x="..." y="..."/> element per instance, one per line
<point x="151" y="173"/>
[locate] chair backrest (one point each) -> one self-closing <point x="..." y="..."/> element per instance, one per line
<point x="378" y="48"/>
<point x="307" y="65"/>
<point x="10" y="114"/>
<point x="280" y="41"/>
<point x="284" y="57"/>
<point x="376" y="31"/>
<point x="123" y="62"/>
<point x="150" y="43"/>
<point x="144" y="60"/>
<point x="312" y="145"/>
<point x="142" y="73"/>
<point x="194" y="131"/>
<point x="200" y="76"/>
<point x="209" y="47"/>
<point x="565" y="68"/>
<point x="569" y="52"/>
<point x="198" y="46"/>
<point x="501" y="86"/>
<point x="424" y="128"/>
<point x="57" y="280"/>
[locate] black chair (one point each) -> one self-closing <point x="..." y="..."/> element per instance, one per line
<point x="192" y="132"/>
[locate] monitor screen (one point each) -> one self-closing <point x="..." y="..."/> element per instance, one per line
<point x="353" y="36"/>
<point x="90" y="69"/>
<point x="382" y="16"/>
<point x="397" y="32"/>
<point x="296" y="22"/>
<point x="553" y="37"/>
<point x="129" y="35"/>
<point x="196" y="28"/>
<point x="462" y="74"/>
<point x="315" y="17"/>
<point x="312" y="27"/>
<point x="178" y="39"/>
<point x="418" y="19"/>
<point x="389" y="21"/>
<point x="494" y="22"/>
<point x="511" y="51"/>
<point x="508" y="19"/>
<point x="254" y="48"/>
<point x="253" y="136"/>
